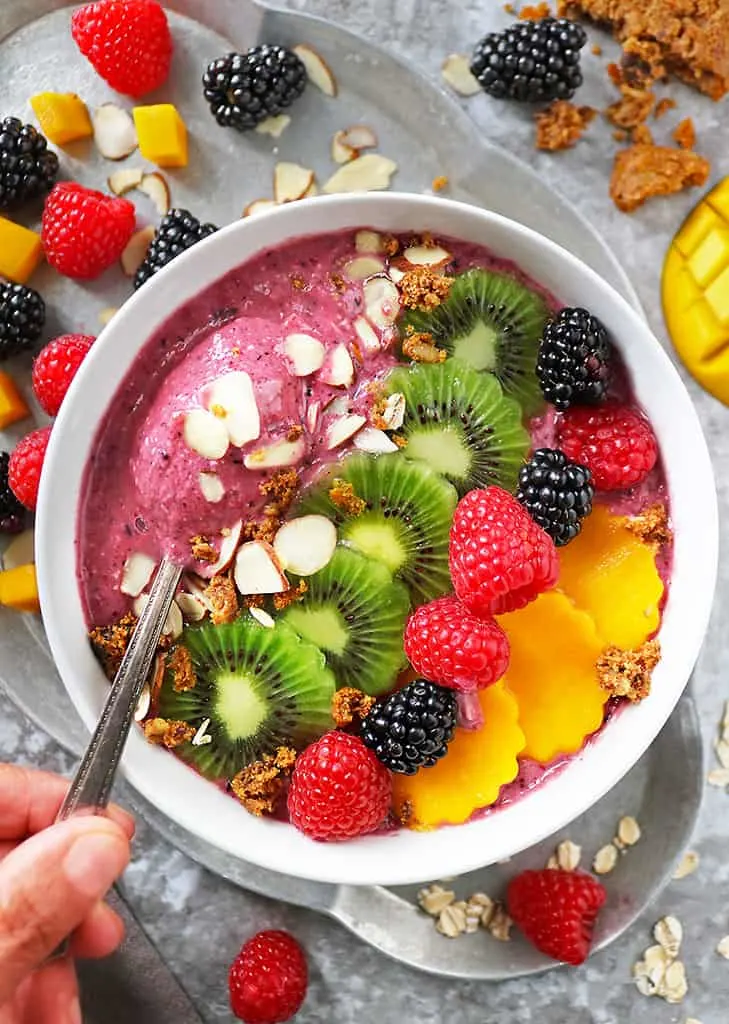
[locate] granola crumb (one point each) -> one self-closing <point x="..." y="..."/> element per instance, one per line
<point x="405" y="814"/>
<point x="109" y="643"/>
<point x="260" y="786"/>
<point x="509" y="8"/>
<point x="252" y="601"/>
<point x="534" y="12"/>
<point x="643" y="135"/>
<point x="342" y="494"/>
<point x="399" y="440"/>
<point x="165" y="733"/>
<point x="439" y="183"/>
<point x="641" y="171"/>
<point x="202" y="549"/>
<point x="628" y="673"/>
<point x="223" y="598"/>
<point x="651" y="525"/>
<point x="620" y="135"/>
<point x="684" y="134"/>
<point x="181" y="667"/>
<point x="350" y="706"/>
<point x="596" y="49"/>
<point x="290" y="596"/>
<point x="562" y="124"/>
<point x="421" y="349"/>
<point x="338" y="282"/>
<point x="294" y="432"/>
<point x="282" y="487"/>
<point x="390" y="245"/>
<point x="422" y="288"/>
<point x="663" y="106"/>
<point x="633" y="108"/>
<point x="614" y="73"/>
<point x="298" y="282"/>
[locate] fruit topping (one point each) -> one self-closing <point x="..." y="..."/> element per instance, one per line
<point x="63" y="116"/>
<point x="552" y="674"/>
<point x="128" y="42"/>
<point x="573" y="366"/>
<point x="12" y="513"/>
<point x="611" y="573"/>
<point x="471" y="774"/>
<point x="178" y="231"/>
<point x="339" y="790"/>
<point x="261" y="689"/>
<point x="531" y="61"/>
<point x="84" y="231"/>
<point x="556" y="492"/>
<point x="114" y="132"/>
<point x="412" y="728"/>
<point x="268" y="979"/>
<point x="162" y="134"/>
<point x="460" y="423"/>
<point x="55" y="367"/>
<point x="492" y="322"/>
<point x="19" y="589"/>
<point x="317" y="69"/>
<point x="20" y="251"/>
<point x="12" y="404"/>
<point x="500" y="559"/>
<point x="243" y="89"/>
<point x="26" y="463"/>
<point x="27" y="168"/>
<point x="615" y="442"/>
<point x="405" y="520"/>
<point x="556" y="911"/>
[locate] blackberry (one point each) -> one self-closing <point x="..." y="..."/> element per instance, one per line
<point x="12" y="513"/>
<point x="573" y="363"/>
<point x="532" y="61"/>
<point x="178" y="230"/>
<point x="412" y="728"/>
<point x="244" y="89"/>
<point x="27" y="167"/>
<point x="557" y="493"/>
<point x="22" y="315"/>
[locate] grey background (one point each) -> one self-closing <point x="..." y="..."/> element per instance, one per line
<point x="198" y="921"/>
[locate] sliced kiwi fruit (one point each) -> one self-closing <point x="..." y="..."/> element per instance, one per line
<point x="494" y="323"/>
<point x="405" y="524"/>
<point x="355" y="612"/>
<point x="460" y="423"/>
<point x="261" y="689"/>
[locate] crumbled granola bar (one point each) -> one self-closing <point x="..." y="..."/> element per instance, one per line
<point x="633" y="108"/>
<point x="350" y="705"/>
<point x="663" y="106"/>
<point x="561" y="125"/>
<point x="341" y="494"/>
<point x="596" y="49"/>
<point x="165" y="733"/>
<point x="109" y="643"/>
<point x="642" y="135"/>
<point x="390" y="245"/>
<point x="183" y="673"/>
<point x="643" y="171"/>
<point x="534" y="12"/>
<point x="420" y="348"/>
<point x="620" y="135"/>
<point x="294" y="432"/>
<point x="290" y="596"/>
<point x="628" y="673"/>
<point x="338" y="282"/>
<point x="281" y="488"/>
<point x="439" y="183"/>
<point x="202" y="549"/>
<point x="684" y="134"/>
<point x="298" y="282"/>
<point x="651" y="525"/>
<point x="260" y="786"/>
<point x="422" y="288"/>
<point x="223" y="598"/>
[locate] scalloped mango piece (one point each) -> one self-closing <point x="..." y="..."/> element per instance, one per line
<point x="611" y="573"/>
<point x="552" y="675"/>
<point x="471" y="774"/>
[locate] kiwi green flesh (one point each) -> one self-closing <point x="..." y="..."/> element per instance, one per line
<point x="261" y="688"/>
<point x="406" y="523"/>
<point x="460" y="422"/>
<point x="494" y="323"/>
<point x="356" y="613"/>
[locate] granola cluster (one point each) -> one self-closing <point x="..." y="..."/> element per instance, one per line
<point x="423" y="288"/>
<point x="350" y="706"/>
<point x="562" y="124"/>
<point x="628" y="673"/>
<point x="260" y="786"/>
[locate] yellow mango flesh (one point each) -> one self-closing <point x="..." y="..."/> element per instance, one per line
<point x="162" y="135"/>
<point x="20" y="251"/>
<point x="19" y="589"/>
<point x="62" y="116"/>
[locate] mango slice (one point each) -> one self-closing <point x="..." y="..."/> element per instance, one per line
<point x="611" y="573"/>
<point x="554" y="648"/>
<point x="62" y="116"/>
<point x="471" y="774"/>
<point x="19" y="589"/>
<point x="20" y="251"/>
<point x="12" y="403"/>
<point x="162" y="135"/>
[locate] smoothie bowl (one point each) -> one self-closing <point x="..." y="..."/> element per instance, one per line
<point x="448" y="525"/>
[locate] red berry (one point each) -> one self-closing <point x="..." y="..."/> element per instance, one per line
<point x="339" y="789"/>
<point x="26" y="463"/>
<point x="127" y="41"/>
<point x="448" y="645"/>
<point x="268" y="979"/>
<point x="556" y="910"/>
<point x="56" y="366"/>
<point x="614" y="441"/>
<point x="500" y="559"/>
<point x="84" y="231"/>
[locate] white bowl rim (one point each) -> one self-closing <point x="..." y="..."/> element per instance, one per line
<point x="405" y="856"/>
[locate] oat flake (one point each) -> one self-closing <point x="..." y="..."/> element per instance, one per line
<point x="435" y="899"/>
<point x="605" y="859"/>
<point x="718" y="777"/>
<point x="628" y="831"/>
<point x="723" y="947"/>
<point x="687" y="865"/>
<point x="675" y="986"/>
<point x="452" y="921"/>
<point x="668" y="933"/>
<point x="568" y="855"/>
<point x="721" y="748"/>
<point x="500" y="925"/>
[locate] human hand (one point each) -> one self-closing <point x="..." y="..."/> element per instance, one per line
<point x="53" y="878"/>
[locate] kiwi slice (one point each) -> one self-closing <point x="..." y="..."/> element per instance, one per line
<point x="494" y="323"/>
<point x="460" y="423"/>
<point x="406" y="522"/>
<point x="261" y="689"/>
<point x="355" y="612"/>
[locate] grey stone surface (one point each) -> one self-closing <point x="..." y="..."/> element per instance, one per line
<point x="198" y="920"/>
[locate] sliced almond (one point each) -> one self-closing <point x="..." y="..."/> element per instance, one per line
<point x="359" y="136"/>
<point x="368" y="241"/>
<point x="106" y="314"/>
<point x="136" y="249"/>
<point x="228" y="547"/>
<point x="312" y="416"/>
<point x="202" y="737"/>
<point x="317" y="69"/>
<point x="342" y="429"/>
<point x="193" y="610"/>
<point x="312" y="190"/>
<point x="262" y="617"/>
<point x="274" y="126"/>
<point x="457" y="73"/>
<point x="394" y="412"/>
<point x="142" y="709"/>
<point x="206" y="434"/>
<point x="174" y="624"/>
<point x="382" y="301"/>
<point x="370" y="439"/>
<point x="722" y="947"/>
<point x="114" y="132"/>
<point x="305" y="545"/>
<point x="367" y="334"/>
<point x="259" y="206"/>
<point x="339" y="368"/>
<point x="341" y="152"/>
<point x="232" y="400"/>
<point x="257" y="570"/>
<point x="20" y="550"/>
<point x="362" y="267"/>
<point x="291" y="181"/>
<point x="155" y="186"/>
<point x="305" y="353"/>
<point x="212" y="487"/>
<point x="427" y="256"/>
<point x="124" y="180"/>
<point x="196" y="587"/>
<point x="369" y="173"/>
<point x="338" y="406"/>
<point x="136" y="574"/>
<point x="280" y="453"/>
<point x="396" y="274"/>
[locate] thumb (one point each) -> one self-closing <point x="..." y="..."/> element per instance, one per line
<point x="48" y="885"/>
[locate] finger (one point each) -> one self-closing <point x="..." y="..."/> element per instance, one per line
<point x="99" y="934"/>
<point x="53" y="995"/>
<point x="48" y="885"/>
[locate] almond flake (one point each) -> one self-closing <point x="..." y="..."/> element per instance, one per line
<point x="628" y="831"/>
<point x="457" y="74"/>
<point x="362" y="267"/>
<point x="155" y="186"/>
<point x="192" y="608"/>
<point x="257" y="570"/>
<point x="230" y="539"/>
<point x="605" y="859"/>
<point x="173" y="625"/>
<point x="427" y="256"/>
<point x="291" y="182"/>
<point x="369" y="173"/>
<point x="305" y="353"/>
<point x="368" y="241"/>
<point x="274" y="126"/>
<point x="394" y="411"/>
<point x="359" y="136"/>
<point x="232" y="400"/>
<point x="367" y="334"/>
<point x="212" y="487"/>
<point x="136" y="249"/>
<point x="106" y="314"/>
<point x="434" y="899"/>
<point x="452" y="920"/>
<point x="721" y="748"/>
<point x="136" y="574"/>
<point x="382" y="301"/>
<point x="124" y="180"/>
<point x="114" y="132"/>
<point x="142" y="708"/>
<point x="201" y="738"/>
<point x="568" y="855"/>
<point x="340" y="151"/>
<point x="259" y="206"/>
<point x="668" y="933"/>
<point x="305" y="544"/>
<point x="374" y="441"/>
<point x="262" y="617"/>
<point x="280" y="453"/>
<point x="687" y="865"/>
<point x="317" y="69"/>
<point x="718" y="777"/>
<point x="339" y="368"/>
<point x="205" y="434"/>
<point x="343" y="429"/>
<point x="722" y="947"/>
<point x="312" y="416"/>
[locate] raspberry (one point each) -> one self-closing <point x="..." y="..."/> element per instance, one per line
<point x="83" y="231"/>
<point x="614" y="441"/>
<point x="56" y="366"/>
<point x="268" y="979"/>
<point x="339" y="789"/>
<point x="448" y="645"/>
<point x="500" y="559"/>
<point x="26" y="463"/>
<point x="128" y="42"/>
<point x="556" y="910"/>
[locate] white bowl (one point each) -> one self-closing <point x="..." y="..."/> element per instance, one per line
<point x="405" y="856"/>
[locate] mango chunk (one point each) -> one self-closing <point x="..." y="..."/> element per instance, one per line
<point x="20" y="251"/>
<point x="162" y="135"/>
<point x="12" y="403"/>
<point x="611" y="574"/>
<point x="471" y="774"/>
<point x="62" y="116"/>
<point x="552" y="674"/>
<point x="19" y="589"/>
